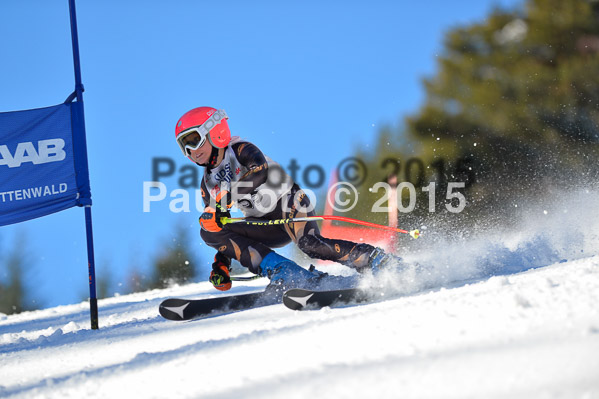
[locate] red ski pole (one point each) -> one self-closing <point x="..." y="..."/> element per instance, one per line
<point x="264" y="222"/>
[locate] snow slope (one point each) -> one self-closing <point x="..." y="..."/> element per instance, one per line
<point x="531" y="334"/>
<point x="512" y="316"/>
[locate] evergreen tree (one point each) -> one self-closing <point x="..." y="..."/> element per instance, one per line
<point x="14" y="294"/>
<point x="513" y="111"/>
<point x="175" y="265"/>
<point x="136" y="281"/>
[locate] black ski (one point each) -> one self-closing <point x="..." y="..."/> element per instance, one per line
<point x="298" y="298"/>
<point x="186" y="309"/>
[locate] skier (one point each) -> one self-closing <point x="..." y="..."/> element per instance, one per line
<point x="238" y="173"/>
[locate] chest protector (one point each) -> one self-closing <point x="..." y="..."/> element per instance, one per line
<point x="227" y="175"/>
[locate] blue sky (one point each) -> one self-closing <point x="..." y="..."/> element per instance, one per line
<point x="304" y="80"/>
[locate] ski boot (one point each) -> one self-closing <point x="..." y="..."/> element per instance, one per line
<point x="380" y="260"/>
<point x="285" y="274"/>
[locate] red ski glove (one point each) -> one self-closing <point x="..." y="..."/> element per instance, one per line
<point x="219" y="277"/>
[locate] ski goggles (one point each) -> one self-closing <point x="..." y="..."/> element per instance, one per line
<point x="195" y="137"/>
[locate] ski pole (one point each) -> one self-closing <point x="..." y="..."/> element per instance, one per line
<point x="264" y="222"/>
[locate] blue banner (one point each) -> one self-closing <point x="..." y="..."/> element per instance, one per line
<point x="43" y="162"/>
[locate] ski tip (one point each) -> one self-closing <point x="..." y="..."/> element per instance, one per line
<point x="173" y="309"/>
<point x="297" y="298"/>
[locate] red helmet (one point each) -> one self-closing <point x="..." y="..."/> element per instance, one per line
<point x="207" y="122"/>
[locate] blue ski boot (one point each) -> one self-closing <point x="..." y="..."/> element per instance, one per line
<point x="285" y="274"/>
<point x="380" y="260"/>
<point x="280" y="270"/>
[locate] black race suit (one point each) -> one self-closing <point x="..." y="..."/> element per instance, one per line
<point x="261" y="189"/>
